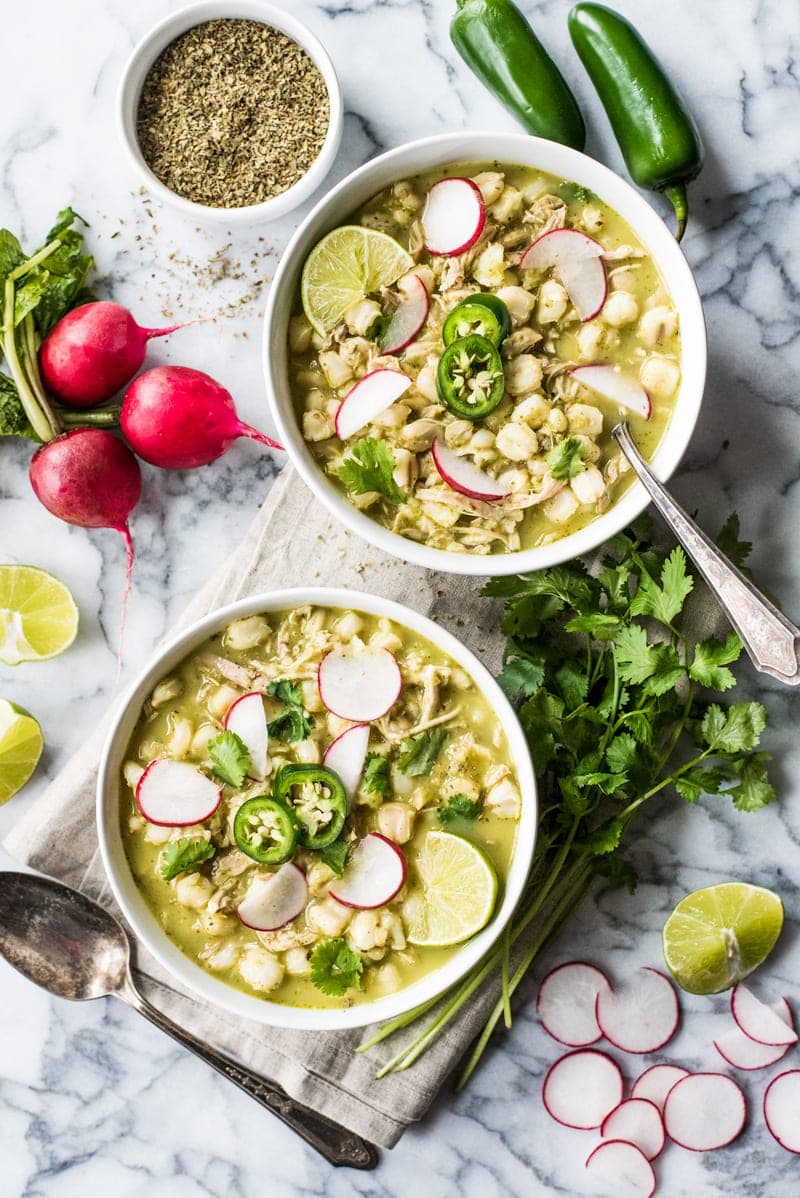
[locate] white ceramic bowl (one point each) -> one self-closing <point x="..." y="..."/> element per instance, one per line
<point x="146" y="925"/>
<point x="148" y="50"/>
<point x="515" y="149"/>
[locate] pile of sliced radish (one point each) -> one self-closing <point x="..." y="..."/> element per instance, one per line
<point x="373" y="876"/>
<point x="173" y="794"/>
<point x="273" y="900"/>
<point x="613" y="384"/>
<point x="346" y="756"/>
<point x="371" y="395"/>
<point x="247" y="719"/>
<point x="465" y="477"/>
<point x="453" y="217"/>
<point x="408" y="317"/>
<point x="577" y="260"/>
<point x="359" y="685"/>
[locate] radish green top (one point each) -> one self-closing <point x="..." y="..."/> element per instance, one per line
<point x="578" y="292"/>
<point x="427" y="777"/>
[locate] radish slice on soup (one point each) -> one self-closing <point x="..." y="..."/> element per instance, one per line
<point x="614" y="385"/>
<point x="359" y="686"/>
<point x="346" y="756"/>
<point x="465" y="477"/>
<point x="174" y="794"/>
<point x="246" y="717"/>
<point x="373" y="875"/>
<point x="578" y="262"/>
<point x="273" y="900"/>
<point x="453" y="217"/>
<point x="408" y="317"/>
<point x="365" y="401"/>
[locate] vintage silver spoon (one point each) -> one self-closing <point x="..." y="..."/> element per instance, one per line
<point x="772" y="642"/>
<point x="71" y="946"/>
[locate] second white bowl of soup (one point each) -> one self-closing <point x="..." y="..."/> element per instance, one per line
<point x="317" y="809"/>
<point x="471" y="457"/>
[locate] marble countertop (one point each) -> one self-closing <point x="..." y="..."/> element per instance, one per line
<point x="94" y="1102"/>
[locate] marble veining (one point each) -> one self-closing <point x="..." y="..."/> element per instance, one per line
<point x="93" y="1101"/>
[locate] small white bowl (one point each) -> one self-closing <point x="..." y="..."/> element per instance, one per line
<point x="157" y="40"/>
<point x="146" y="925"/>
<point x="516" y="149"/>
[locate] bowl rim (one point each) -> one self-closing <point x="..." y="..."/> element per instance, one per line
<point x="165" y="31"/>
<point x="472" y="146"/>
<point x="145" y="924"/>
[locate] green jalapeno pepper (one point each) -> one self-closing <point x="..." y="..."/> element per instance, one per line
<point x="482" y="313"/>
<point x="265" y="830"/>
<point x="469" y="377"/>
<point x="498" y="44"/>
<point x="658" y="137"/>
<point x="319" y="807"/>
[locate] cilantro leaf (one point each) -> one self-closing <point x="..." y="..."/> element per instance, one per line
<point x="376" y="775"/>
<point x="335" y="855"/>
<point x="666" y="601"/>
<point x="335" y="968"/>
<point x="622" y="752"/>
<point x="618" y="871"/>
<point x="230" y="758"/>
<point x="369" y="467"/>
<point x="419" y="754"/>
<point x="286" y="691"/>
<point x="293" y="724"/>
<point x="605" y="839"/>
<point x="459" y="806"/>
<point x="520" y="678"/>
<point x="599" y="625"/>
<point x="735" y="729"/>
<point x="728" y="540"/>
<point x="180" y="855"/>
<point x="636" y="659"/>
<point x="566" y="458"/>
<point x="710" y="658"/>
<point x="754" y="789"/>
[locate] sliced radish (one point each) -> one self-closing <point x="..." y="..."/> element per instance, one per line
<point x="453" y="217"/>
<point x="566" y="1003"/>
<point x="273" y="900"/>
<point x="641" y="1017"/>
<point x="637" y="1121"/>
<point x="582" y="1088"/>
<point x="464" y="477"/>
<point x="624" y="1168"/>
<point x="656" y="1082"/>
<point x="759" y="1021"/>
<point x="346" y="756"/>
<point x="743" y="1053"/>
<point x="614" y="385"/>
<point x="704" y="1111"/>
<point x="359" y="686"/>
<point x="371" y="395"/>
<point x="408" y="317"/>
<point x="373" y="875"/>
<point x="578" y="262"/>
<point x="247" y="718"/>
<point x="173" y="794"/>
<point x="782" y="1109"/>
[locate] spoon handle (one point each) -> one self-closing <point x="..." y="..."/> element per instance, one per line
<point x="337" y="1144"/>
<point x="772" y="642"/>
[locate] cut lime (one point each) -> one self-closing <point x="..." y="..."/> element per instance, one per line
<point x="21" y="747"/>
<point x="38" y="616"/>
<point x="458" y="891"/>
<point x="348" y="264"/>
<point x="717" y="936"/>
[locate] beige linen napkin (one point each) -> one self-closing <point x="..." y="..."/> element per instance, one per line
<point x="291" y="542"/>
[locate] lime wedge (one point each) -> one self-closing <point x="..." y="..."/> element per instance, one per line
<point x="458" y="891"/>
<point x="38" y="616"/>
<point x="21" y="747"/>
<point x="717" y="936"/>
<point x="348" y="264"/>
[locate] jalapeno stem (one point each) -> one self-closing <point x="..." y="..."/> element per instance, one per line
<point x="677" y="197"/>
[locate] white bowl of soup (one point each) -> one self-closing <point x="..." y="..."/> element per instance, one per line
<point x="305" y="867"/>
<point x="529" y="475"/>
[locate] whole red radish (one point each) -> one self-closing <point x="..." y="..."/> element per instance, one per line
<point x="178" y="418"/>
<point x="90" y="478"/>
<point x="94" y="351"/>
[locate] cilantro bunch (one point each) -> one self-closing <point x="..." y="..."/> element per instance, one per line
<point x="619" y="704"/>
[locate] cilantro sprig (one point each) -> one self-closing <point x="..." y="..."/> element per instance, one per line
<point x="369" y="467"/>
<point x="230" y="758"/>
<point x="181" y="855"/>
<point x="458" y="807"/>
<point x="293" y="723"/>
<point x="419" y="753"/>
<point x="620" y="705"/>
<point x="335" y="968"/>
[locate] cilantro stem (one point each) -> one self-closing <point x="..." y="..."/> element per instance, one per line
<point x="506" y="990"/>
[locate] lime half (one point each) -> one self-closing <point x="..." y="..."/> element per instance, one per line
<point x="348" y="264"/>
<point x="717" y="936"/>
<point x="458" y="891"/>
<point x="38" y="616"/>
<point x="21" y="747"/>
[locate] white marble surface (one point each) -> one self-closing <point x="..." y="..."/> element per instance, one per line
<point x="92" y="1101"/>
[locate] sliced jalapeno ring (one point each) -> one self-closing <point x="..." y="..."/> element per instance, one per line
<point x="469" y="377"/>
<point x="317" y="799"/>
<point x="265" y="829"/>
<point x="481" y="313"/>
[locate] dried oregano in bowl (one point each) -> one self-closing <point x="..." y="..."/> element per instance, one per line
<point x="232" y="113"/>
